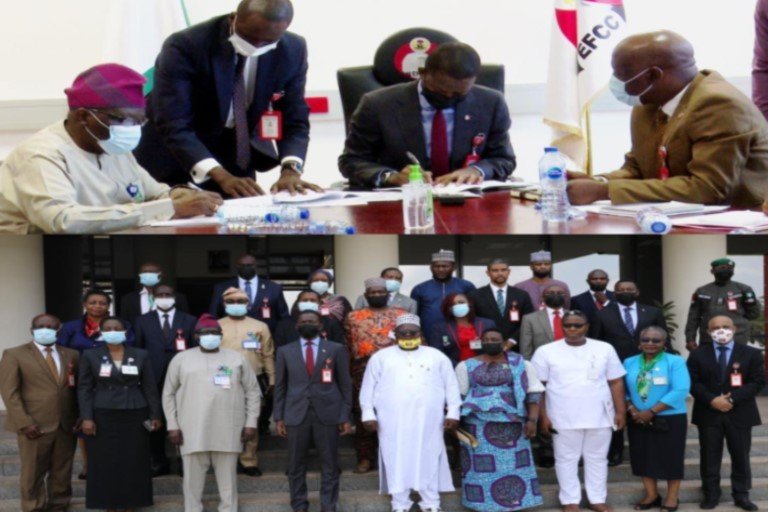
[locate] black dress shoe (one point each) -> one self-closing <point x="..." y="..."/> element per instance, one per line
<point x="161" y="470"/>
<point x="615" y="460"/>
<point x="745" y="504"/>
<point x="251" y="471"/>
<point x="708" y="504"/>
<point x="546" y="463"/>
<point x="651" y="504"/>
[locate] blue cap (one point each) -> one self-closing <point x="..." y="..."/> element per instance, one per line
<point x="550" y="149"/>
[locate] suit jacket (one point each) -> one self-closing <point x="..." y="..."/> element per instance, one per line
<point x="130" y="305"/>
<point x="445" y="336"/>
<point x="30" y="393"/>
<point x="485" y="306"/>
<point x="267" y="290"/>
<point x="387" y="124"/>
<point x="717" y="147"/>
<point x="535" y="331"/>
<point x="295" y="391"/>
<point x="72" y="335"/>
<point x="286" y="332"/>
<point x="150" y="337"/>
<point x="399" y="301"/>
<point x="192" y="96"/>
<point x="706" y="385"/>
<point x="118" y="391"/>
<point x="586" y="304"/>
<point x="609" y="327"/>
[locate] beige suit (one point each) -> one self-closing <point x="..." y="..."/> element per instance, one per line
<point x="33" y="397"/>
<point x="717" y="150"/>
<point x="535" y="331"/>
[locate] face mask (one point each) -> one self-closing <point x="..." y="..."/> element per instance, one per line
<point x="319" y="287"/>
<point x="246" y="49"/>
<point x="236" y="309"/>
<point x="441" y="101"/>
<point x="113" y="337"/>
<point x="619" y="90"/>
<point x="393" y="285"/>
<point x="308" y="306"/>
<point x="555" y="301"/>
<point x="460" y="310"/>
<point x="44" y="336"/>
<point x="165" y="303"/>
<point x="493" y="349"/>
<point x="378" y="301"/>
<point x="624" y="298"/>
<point x="247" y="273"/>
<point x="210" y="341"/>
<point x="721" y="336"/>
<point x="308" y="331"/>
<point x="149" y="278"/>
<point x="541" y="274"/>
<point x="723" y="275"/>
<point x="122" y="139"/>
<point x="597" y="287"/>
<point x="409" y="344"/>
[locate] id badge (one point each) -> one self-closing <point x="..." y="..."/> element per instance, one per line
<point x="130" y="369"/>
<point x="325" y="311"/>
<point x="71" y="380"/>
<point x="736" y="381"/>
<point x="732" y="305"/>
<point x="181" y="345"/>
<point x="222" y="381"/>
<point x="660" y="381"/>
<point x="514" y="315"/>
<point x="327" y="376"/>
<point x="266" y="312"/>
<point x="251" y="344"/>
<point x="271" y="125"/>
<point x="105" y="370"/>
<point x="475" y="344"/>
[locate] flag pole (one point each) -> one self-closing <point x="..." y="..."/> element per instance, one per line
<point x="588" y="136"/>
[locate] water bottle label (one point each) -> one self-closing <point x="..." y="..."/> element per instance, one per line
<point x="555" y="173"/>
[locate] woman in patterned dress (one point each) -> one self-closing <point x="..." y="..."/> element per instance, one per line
<point x="501" y="407"/>
<point x="331" y="304"/>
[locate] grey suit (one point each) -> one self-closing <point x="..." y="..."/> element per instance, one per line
<point x="398" y="301"/>
<point x="535" y="331"/>
<point x="313" y="410"/>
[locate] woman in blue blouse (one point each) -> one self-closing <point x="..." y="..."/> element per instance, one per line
<point x="657" y="384"/>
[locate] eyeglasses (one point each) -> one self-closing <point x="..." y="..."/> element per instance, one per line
<point x="655" y="341"/>
<point x="573" y="326"/>
<point x="118" y="120"/>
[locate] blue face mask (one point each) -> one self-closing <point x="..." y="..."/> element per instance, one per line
<point x="210" y="341"/>
<point x="619" y="90"/>
<point x="122" y="139"/>
<point x="44" y="336"/>
<point x="113" y="337"/>
<point x="319" y="287"/>
<point x="460" y="310"/>
<point x="308" y="306"/>
<point x="393" y="285"/>
<point x="149" y="278"/>
<point x="236" y="309"/>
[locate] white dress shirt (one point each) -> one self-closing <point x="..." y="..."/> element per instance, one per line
<point x="54" y="354"/>
<point x="147" y="305"/>
<point x="171" y="313"/>
<point x="254" y="288"/>
<point x="495" y="290"/>
<point x="551" y="315"/>
<point x="632" y="312"/>
<point x="670" y="106"/>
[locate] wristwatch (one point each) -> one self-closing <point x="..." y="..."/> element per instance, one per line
<point x="293" y="165"/>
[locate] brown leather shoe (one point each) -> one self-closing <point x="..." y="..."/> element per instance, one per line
<point x="599" y="507"/>
<point x="571" y="508"/>
<point x="363" y="466"/>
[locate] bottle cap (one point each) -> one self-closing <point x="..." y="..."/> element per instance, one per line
<point x="415" y="175"/>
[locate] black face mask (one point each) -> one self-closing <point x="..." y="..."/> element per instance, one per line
<point x="625" y="298"/>
<point x="493" y="349"/>
<point x="555" y="301"/>
<point x="723" y="275"/>
<point x="542" y="274"/>
<point x="308" y="331"/>
<point x="246" y="273"/>
<point x="378" y="301"/>
<point x="597" y="287"/>
<point x="441" y="101"/>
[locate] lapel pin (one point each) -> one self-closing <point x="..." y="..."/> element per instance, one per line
<point x="467" y="117"/>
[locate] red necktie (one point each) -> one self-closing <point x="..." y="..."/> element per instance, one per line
<point x="557" y="329"/>
<point x="439" y="157"/>
<point x="310" y="359"/>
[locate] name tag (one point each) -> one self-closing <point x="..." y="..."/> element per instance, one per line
<point x="475" y="344"/>
<point x="71" y="380"/>
<point x="266" y="312"/>
<point x="736" y="381"/>
<point x="327" y="376"/>
<point x="271" y="125"/>
<point x="325" y="311"/>
<point x="251" y="344"/>
<point x="105" y="370"/>
<point x="222" y="381"/>
<point x="514" y="315"/>
<point x="732" y="305"/>
<point x="446" y="341"/>
<point x="129" y="369"/>
<point x="181" y="345"/>
<point x="660" y="381"/>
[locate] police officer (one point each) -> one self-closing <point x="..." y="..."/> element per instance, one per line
<point x="722" y="297"/>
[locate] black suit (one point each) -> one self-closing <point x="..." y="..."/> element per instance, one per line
<point x="486" y="306"/>
<point x="192" y="97"/>
<point x="268" y="292"/>
<point x="130" y="305"/>
<point x="387" y="124"/>
<point x="735" y="426"/>
<point x="585" y="303"/>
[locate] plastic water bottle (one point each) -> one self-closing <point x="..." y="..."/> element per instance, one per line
<point x="418" y="206"/>
<point x="554" y="197"/>
<point x="652" y="221"/>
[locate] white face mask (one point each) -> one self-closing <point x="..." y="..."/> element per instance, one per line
<point x="246" y="49"/>
<point x="122" y="139"/>
<point x="165" y="303"/>
<point x="619" y="90"/>
<point x="721" y="336"/>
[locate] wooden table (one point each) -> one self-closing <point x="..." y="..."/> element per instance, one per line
<point x="496" y="213"/>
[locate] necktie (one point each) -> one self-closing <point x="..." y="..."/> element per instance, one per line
<point x="600" y="300"/>
<point x="628" y="320"/>
<point x="722" y="360"/>
<point x="166" y="327"/>
<point x="661" y="127"/>
<point x="557" y="326"/>
<point x="439" y="157"/>
<point x="51" y="363"/>
<point x="500" y="301"/>
<point x="240" y="114"/>
<point x="310" y="359"/>
<point x="249" y="291"/>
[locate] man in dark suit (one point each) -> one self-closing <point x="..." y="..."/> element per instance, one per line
<point x="37" y="384"/>
<point x="725" y="379"/>
<point x="228" y="100"/>
<point x="313" y="401"/>
<point x="456" y="129"/>
<point x="504" y="304"/>
<point x="596" y="298"/>
<point x="163" y="333"/>
<point x="139" y="302"/>
<point x="620" y="324"/>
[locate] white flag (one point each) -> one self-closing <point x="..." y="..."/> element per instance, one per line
<point x="136" y="30"/>
<point x="584" y="34"/>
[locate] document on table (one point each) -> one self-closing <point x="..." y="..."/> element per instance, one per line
<point x="672" y="208"/>
<point x="737" y="219"/>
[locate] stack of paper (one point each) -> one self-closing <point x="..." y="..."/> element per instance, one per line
<point x="742" y="220"/>
<point x="671" y="209"/>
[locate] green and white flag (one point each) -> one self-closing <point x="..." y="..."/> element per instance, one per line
<point x="136" y="30"/>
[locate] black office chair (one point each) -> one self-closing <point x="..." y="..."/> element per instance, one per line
<point x="396" y="61"/>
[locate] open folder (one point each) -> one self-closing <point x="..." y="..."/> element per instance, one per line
<point x="743" y="220"/>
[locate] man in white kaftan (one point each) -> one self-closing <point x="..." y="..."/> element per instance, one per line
<point x="405" y="393"/>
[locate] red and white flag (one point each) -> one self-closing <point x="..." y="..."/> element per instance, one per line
<point x="584" y="34"/>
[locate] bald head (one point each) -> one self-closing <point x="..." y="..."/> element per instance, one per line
<point x="271" y="10"/>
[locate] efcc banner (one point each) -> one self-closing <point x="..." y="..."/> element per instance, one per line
<point x="136" y="30"/>
<point x="584" y="34"/>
